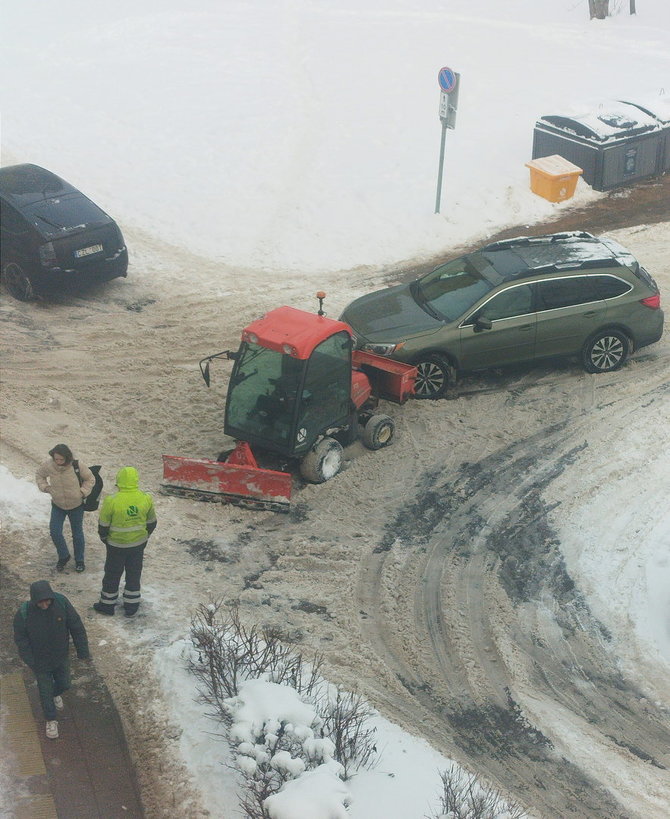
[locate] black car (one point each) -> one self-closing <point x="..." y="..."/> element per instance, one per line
<point x="53" y="237"/>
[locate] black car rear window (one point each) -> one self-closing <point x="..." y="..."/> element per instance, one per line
<point x="60" y="215"/>
<point x="451" y="289"/>
<point x="27" y="180"/>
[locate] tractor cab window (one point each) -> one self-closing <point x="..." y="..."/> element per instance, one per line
<point x="326" y="392"/>
<point x="262" y="396"/>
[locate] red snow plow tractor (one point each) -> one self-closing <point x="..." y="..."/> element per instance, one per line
<point x="298" y="392"/>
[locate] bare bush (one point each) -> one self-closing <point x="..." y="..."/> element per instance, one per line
<point x="346" y="723"/>
<point x="230" y="652"/>
<point x="464" y="796"/>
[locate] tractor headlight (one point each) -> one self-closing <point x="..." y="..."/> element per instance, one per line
<point x="382" y="349"/>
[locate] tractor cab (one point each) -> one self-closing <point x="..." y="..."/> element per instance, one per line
<point x="291" y="382"/>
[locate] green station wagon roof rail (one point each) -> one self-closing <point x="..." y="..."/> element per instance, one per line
<point x="548" y="239"/>
<point x="587" y="264"/>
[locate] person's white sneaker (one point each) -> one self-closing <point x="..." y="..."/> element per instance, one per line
<point x="58" y="702"/>
<point x="52" y="729"/>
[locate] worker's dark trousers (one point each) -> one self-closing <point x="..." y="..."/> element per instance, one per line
<point x="119" y="560"/>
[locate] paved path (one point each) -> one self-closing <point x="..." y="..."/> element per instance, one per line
<point x="85" y="774"/>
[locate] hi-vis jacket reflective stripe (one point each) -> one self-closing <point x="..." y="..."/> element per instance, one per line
<point x="129" y="514"/>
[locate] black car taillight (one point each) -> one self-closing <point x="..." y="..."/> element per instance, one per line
<point x="652" y="301"/>
<point x="48" y="255"/>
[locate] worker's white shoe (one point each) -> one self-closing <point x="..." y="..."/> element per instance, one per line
<point x="58" y="702"/>
<point x="52" y="729"/>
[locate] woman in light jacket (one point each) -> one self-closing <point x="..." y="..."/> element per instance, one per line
<point x="58" y="478"/>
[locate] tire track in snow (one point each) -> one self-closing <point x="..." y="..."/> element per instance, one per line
<point x="479" y="645"/>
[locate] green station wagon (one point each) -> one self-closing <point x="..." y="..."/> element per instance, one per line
<point x="518" y="300"/>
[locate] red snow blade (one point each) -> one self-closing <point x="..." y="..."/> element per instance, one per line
<point x="244" y="484"/>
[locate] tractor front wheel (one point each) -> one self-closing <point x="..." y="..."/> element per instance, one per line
<point x="322" y="462"/>
<point x="378" y="432"/>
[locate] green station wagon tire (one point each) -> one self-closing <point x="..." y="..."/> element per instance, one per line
<point x="434" y="377"/>
<point x="605" y="351"/>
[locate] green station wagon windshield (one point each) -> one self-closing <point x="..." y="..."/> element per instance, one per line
<point x="451" y="289"/>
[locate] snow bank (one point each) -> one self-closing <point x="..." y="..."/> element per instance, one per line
<point x="21" y="502"/>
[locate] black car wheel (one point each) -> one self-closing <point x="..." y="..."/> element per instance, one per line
<point x="434" y="377"/>
<point x="323" y="462"/>
<point x="17" y="282"/>
<point x="378" y="432"/>
<point x="605" y="352"/>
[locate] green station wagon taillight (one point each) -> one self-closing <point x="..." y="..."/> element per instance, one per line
<point x="652" y="301"/>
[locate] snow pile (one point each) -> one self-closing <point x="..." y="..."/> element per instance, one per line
<point x="407" y="775"/>
<point x="318" y="794"/>
<point x="21" y="502"/>
<point x="263" y="711"/>
<point x="264" y="706"/>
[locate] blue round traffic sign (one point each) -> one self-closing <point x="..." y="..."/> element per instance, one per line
<point x="447" y="79"/>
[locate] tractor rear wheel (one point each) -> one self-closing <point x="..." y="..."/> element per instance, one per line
<point x="322" y="462"/>
<point x="378" y="432"/>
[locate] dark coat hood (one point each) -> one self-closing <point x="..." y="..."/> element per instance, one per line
<point x="41" y="590"/>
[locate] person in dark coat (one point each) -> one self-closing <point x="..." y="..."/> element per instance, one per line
<point x="42" y="630"/>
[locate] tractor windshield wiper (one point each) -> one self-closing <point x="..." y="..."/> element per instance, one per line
<point x="243" y="377"/>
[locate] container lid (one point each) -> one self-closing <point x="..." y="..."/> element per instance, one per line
<point x="554" y="165"/>
<point x="609" y="121"/>
<point x="657" y="106"/>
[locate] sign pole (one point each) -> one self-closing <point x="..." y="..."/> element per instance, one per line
<point x="440" y="167"/>
<point x="449" y="82"/>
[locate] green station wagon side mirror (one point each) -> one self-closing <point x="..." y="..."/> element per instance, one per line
<point x="482" y="323"/>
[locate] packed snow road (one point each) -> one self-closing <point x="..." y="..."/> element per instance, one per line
<point x="469" y="601"/>
<point x="433" y="576"/>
